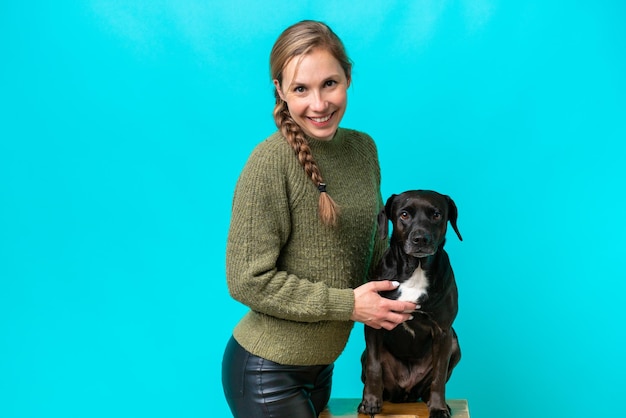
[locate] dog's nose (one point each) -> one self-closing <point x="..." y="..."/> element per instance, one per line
<point x="422" y="239"/>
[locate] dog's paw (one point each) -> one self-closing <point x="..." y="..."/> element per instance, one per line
<point x="439" y="413"/>
<point x="370" y="405"/>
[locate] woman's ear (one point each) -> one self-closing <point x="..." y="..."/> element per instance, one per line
<point x="278" y="90"/>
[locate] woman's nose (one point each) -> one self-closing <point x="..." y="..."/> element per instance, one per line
<point x="318" y="102"/>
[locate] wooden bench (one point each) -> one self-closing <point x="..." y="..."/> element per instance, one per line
<point x="346" y="408"/>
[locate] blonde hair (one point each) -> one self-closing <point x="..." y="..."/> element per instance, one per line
<point x="300" y="39"/>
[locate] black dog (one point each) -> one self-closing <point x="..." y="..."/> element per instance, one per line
<point x="414" y="361"/>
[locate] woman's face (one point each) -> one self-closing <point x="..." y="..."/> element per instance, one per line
<point x="314" y="87"/>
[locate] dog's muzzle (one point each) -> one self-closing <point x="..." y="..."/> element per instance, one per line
<point x="420" y="244"/>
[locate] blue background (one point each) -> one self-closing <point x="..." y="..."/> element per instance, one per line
<point x="123" y="128"/>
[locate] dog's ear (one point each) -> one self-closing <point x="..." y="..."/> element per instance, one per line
<point x="383" y="224"/>
<point x="452" y="215"/>
<point x="389" y="204"/>
<point x="383" y="218"/>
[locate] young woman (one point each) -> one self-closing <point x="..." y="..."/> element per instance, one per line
<point x="303" y="237"/>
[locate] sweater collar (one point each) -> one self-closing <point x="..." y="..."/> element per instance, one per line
<point x="331" y="144"/>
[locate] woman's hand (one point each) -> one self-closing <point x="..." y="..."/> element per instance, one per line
<point x="376" y="311"/>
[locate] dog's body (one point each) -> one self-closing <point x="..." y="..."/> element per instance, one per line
<point x="415" y="360"/>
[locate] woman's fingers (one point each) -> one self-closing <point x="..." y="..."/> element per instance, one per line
<point x="377" y="311"/>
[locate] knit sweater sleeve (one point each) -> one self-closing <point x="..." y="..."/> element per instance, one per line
<point x="380" y="246"/>
<point x="260" y="227"/>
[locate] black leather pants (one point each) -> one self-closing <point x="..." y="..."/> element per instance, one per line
<point x="258" y="388"/>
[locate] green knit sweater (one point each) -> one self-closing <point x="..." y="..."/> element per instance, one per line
<point x="295" y="273"/>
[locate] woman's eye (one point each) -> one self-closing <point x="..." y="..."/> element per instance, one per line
<point x="330" y="83"/>
<point x="299" y="89"/>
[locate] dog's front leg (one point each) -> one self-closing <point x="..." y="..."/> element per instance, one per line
<point x="372" y="402"/>
<point x="442" y="349"/>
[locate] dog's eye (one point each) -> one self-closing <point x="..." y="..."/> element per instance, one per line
<point x="404" y="215"/>
<point x="436" y="215"/>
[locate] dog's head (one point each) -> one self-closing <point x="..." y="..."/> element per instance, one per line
<point x="419" y="219"/>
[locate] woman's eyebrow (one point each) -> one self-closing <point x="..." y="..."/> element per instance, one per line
<point x="296" y="82"/>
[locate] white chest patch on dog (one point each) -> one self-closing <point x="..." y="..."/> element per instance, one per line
<point x="415" y="287"/>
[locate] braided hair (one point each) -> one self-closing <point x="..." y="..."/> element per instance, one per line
<point x="298" y="40"/>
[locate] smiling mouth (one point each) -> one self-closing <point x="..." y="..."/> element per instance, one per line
<point x="322" y="119"/>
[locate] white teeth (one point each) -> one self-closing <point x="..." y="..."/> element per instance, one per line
<point x="321" y="120"/>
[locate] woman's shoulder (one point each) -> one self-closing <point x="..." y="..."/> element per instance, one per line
<point x="272" y="153"/>
<point x="271" y="167"/>
<point x="359" y="140"/>
<point x="273" y="147"/>
<point x="358" y="137"/>
<point x="353" y="133"/>
<point x="273" y="143"/>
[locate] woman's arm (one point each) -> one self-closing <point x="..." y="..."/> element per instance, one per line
<point x="260" y="227"/>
